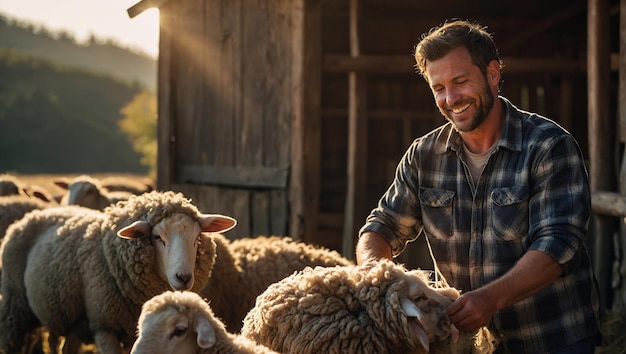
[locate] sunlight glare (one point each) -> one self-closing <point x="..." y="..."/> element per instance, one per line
<point x="147" y="31"/>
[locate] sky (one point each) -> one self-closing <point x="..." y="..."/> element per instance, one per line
<point x="104" y="19"/>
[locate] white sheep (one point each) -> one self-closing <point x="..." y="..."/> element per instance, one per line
<point x="244" y="268"/>
<point x="182" y="322"/>
<point x="69" y="267"/>
<point x="377" y="308"/>
<point x="89" y="192"/>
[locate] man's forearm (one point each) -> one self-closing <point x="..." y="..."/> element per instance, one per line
<point x="533" y="272"/>
<point x="372" y="246"/>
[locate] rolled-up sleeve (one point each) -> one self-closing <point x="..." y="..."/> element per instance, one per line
<point x="396" y="218"/>
<point x="561" y="202"/>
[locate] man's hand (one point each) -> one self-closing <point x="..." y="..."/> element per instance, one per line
<point x="472" y="310"/>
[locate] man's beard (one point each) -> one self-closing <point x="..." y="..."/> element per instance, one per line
<point x="484" y="106"/>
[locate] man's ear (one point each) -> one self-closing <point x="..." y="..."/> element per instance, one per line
<point x="493" y="73"/>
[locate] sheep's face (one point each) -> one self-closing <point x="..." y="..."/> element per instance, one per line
<point x="173" y="328"/>
<point x="85" y="193"/>
<point x="175" y="240"/>
<point x="425" y="312"/>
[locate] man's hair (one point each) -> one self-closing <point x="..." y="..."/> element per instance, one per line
<point x="440" y="40"/>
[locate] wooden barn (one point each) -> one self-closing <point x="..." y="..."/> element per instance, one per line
<point x="290" y="115"/>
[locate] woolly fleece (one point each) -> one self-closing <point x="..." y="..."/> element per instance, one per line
<point x="88" y="274"/>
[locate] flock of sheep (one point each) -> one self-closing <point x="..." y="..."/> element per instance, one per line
<point x="128" y="269"/>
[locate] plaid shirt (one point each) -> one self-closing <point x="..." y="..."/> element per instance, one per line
<point x="532" y="195"/>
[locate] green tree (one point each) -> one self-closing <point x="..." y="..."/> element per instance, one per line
<point x="139" y="122"/>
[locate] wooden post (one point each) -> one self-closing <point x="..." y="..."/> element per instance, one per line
<point x="357" y="139"/>
<point x="601" y="169"/>
<point x="620" y="271"/>
<point x="305" y="143"/>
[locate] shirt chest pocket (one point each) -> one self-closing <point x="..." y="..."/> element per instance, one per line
<point x="437" y="214"/>
<point x="509" y="212"/>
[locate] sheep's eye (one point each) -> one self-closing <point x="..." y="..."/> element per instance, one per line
<point x="158" y="238"/>
<point x="420" y="298"/>
<point x="178" y="331"/>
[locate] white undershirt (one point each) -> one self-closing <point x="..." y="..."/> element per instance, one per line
<point x="477" y="162"/>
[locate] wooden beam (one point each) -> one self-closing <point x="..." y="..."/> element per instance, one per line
<point x="405" y="64"/>
<point x="608" y="203"/>
<point x="618" y="276"/>
<point x="142" y="6"/>
<point x="234" y="176"/>
<point x="601" y="169"/>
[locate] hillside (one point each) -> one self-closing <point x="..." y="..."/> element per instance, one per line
<point x="96" y="55"/>
<point x="60" y="120"/>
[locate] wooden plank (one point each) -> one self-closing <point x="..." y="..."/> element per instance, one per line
<point x="241" y="209"/>
<point x="260" y="213"/>
<point x="192" y="125"/>
<point x="256" y="70"/>
<point x="165" y="105"/>
<point x="306" y="90"/>
<point x="277" y="111"/>
<point x="405" y="64"/>
<point x="279" y="211"/>
<point x="237" y="176"/>
<point x="209" y="142"/>
<point x="227" y="50"/>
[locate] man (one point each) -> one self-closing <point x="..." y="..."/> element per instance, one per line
<point x="502" y="196"/>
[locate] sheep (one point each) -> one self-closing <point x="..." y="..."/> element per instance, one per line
<point x="89" y="192"/>
<point x="14" y="207"/>
<point x="380" y="307"/>
<point x="244" y="268"/>
<point x="182" y="322"/>
<point x="11" y="185"/>
<point x="66" y="267"/>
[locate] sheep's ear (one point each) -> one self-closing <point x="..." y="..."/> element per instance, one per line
<point x="135" y="230"/>
<point x="216" y="222"/>
<point x="206" y="334"/>
<point x="411" y="310"/>
<point x="62" y="183"/>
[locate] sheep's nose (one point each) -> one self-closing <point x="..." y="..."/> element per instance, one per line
<point x="184" y="277"/>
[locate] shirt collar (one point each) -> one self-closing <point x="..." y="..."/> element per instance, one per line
<point x="510" y="138"/>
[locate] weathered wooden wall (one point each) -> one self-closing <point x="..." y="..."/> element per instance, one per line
<point x="227" y="87"/>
